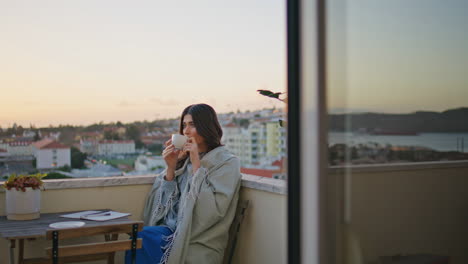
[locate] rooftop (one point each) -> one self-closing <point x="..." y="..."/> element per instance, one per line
<point x="54" y="145"/>
<point x="43" y="142"/>
<point x="19" y="143"/>
<point x="116" y="141"/>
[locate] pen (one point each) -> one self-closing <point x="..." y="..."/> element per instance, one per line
<point x="98" y="214"/>
<point x="103" y="214"/>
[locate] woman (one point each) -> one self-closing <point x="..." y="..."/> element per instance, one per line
<point x="192" y="203"/>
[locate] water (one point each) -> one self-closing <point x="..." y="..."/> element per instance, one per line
<point x="435" y="141"/>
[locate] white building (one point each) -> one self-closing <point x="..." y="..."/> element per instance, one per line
<point x="261" y="143"/>
<point x="247" y="144"/>
<point x="3" y="155"/>
<point x="146" y="163"/>
<point x="89" y="146"/>
<point x="20" y="148"/>
<point x="4" y="146"/>
<point x="237" y="140"/>
<point x="29" y="133"/>
<point x="51" y="154"/>
<point x="258" y="139"/>
<point x="112" y="147"/>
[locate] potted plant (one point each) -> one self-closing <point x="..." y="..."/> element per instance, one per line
<point x="23" y="196"/>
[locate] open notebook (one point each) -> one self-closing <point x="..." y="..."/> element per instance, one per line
<point x="96" y="215"/>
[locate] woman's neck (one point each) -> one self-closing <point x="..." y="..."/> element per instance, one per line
<point x="202" y="148"/>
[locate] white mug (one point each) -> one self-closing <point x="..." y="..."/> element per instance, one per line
<point x="178" y="140"/>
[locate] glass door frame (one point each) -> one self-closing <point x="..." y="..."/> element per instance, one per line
<point x="308" y="233"/>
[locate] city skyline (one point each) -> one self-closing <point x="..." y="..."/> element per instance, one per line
<point x="27" y="126"/>
<point x="335" y="111"/>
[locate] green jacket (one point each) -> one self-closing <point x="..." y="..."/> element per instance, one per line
<point x="206" y="210"/>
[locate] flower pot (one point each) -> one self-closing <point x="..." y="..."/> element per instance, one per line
<point x="23" y="205"/>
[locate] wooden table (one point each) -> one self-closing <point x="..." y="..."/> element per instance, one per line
<point x="14" y="230"/>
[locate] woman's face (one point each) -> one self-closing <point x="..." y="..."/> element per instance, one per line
<point x="190" y="130"/>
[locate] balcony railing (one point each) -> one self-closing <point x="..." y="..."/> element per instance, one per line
<point x="404" y="208"/>
<point x="127" y="194"/>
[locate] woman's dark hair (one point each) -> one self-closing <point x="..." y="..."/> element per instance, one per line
<point x="206" y="122"/>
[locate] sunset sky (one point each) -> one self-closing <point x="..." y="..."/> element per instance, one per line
<point x="82" y="62"/>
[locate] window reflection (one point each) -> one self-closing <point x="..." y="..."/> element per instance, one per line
<point x="398" y="92"/>
<point x="397" y="100"/>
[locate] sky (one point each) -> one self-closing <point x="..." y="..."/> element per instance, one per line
<point x="87" y="61"/>
<point x="82" y="62"/>
<point x="398" y="56"/>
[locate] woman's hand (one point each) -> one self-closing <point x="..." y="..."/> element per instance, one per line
<point x="171" y="156"/>
<point x="191" y="148"/>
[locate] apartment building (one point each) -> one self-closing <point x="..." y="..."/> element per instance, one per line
<point x="257" y="140"/>
<point x="238" y="140"/>
<point x="20" y="148"/>
<point x="275" y="139"/>
<point x="3" y="155"/>
<point x="51" y="154"/>
<point x="113" y="147"/>
<point x="4" y="146"/>
<point x="260" y="143"/>
<point x="89" y="146"/>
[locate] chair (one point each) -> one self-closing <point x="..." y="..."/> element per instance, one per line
<point x="234" y="230"/>
<point x="91" y="251"/>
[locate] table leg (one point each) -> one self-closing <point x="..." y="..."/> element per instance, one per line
<point x="111" y="256"/>
<point x="21" y="251"/>
<point x="12" y="251"/>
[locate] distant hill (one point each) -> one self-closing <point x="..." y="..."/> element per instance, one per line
<point x="450" y="121"/>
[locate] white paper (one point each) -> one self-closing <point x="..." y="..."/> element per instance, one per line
<point x="80" y="214"/>
<point x="96" y="215"/>
<point x="105" y="216"/>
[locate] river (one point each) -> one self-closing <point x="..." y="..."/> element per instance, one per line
<point x="435" y="141"/>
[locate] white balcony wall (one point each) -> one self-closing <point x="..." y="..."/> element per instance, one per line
<point x="127" y="194"/>
<point x="393" y="209"/>
<point x="409" y="209"/>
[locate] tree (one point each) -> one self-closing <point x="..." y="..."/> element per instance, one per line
<point x="156" y="148"/>
<point x="77" y="158"/>
<point x="65" y="168"/>
<point x="67" y="135"/>
<point x="139" y="144"/>
<point x="133" y="133"/>
<point x="244" y="122"/>
<point x="36" y="136"/>
<point x="19" y="130"/>
<point x="55" y="175"/>
<point x="111" y="135"/>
